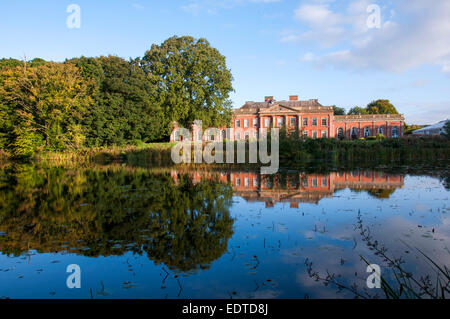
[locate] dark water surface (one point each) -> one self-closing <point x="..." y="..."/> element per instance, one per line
<point x="166" y="233"/>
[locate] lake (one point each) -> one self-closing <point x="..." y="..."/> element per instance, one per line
<point x="137" y="232"/>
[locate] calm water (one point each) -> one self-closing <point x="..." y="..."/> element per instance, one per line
<point x="149" y="233"/>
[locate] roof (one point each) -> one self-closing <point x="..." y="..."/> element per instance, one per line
<point x="436" y="126"/>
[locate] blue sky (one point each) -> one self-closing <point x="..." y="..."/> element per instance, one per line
<point x="313" y="48"/>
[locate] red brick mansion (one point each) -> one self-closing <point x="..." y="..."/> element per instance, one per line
<point x="309" y="117"/>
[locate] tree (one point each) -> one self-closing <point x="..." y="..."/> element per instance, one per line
<point x="9" y="63"/>
<point x="357" y="111"/>
<point x="125" y="107"/>
<point x="338" y="110"/>
<point x="192" y="80"/>
<point x="381" y="107"/>
<point x="41" y="106"/>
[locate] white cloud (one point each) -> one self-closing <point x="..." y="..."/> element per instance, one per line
<point x="418" y="34"/>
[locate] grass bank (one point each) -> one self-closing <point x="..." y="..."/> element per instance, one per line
<point x="294" y="153"/>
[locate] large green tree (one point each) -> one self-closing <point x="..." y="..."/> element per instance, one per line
<point x="381" y="107"/>
<point x="125" y="108"/>
<point x="374" y="107"/>
<point x="192" y="79"/>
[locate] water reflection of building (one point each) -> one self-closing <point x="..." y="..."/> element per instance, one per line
<point x="299" y="187"/>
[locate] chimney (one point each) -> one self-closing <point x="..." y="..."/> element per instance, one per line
<point x="268" y="98"/>
<point x="293" y="98"/>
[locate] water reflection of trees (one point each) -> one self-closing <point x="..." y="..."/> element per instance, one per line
<point x="184" y="225"/>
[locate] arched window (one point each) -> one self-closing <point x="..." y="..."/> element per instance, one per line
<point x="340" y="133"/>
<point x="381" y="130"/>
<point x="354" y="133"/>
<point x="367" y="131"/>
<point x="395" y="132"/>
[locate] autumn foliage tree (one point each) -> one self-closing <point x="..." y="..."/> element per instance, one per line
<point x="42" y="107"/>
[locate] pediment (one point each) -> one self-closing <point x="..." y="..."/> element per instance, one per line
<point x="278" y="108"/>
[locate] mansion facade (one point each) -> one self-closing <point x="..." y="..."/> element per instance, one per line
<point x="309" y="117"/>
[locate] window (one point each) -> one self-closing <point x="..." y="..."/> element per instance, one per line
<point x="324" y="121"/>
<point x="255" y="182"/>
<point x="246" y="182"/>
<point x="246" y="123"/>
<point x="367" y="132"/>
<point x="395" y="132"/>
<point x="314" y="134"/>
<point x="238" y="123"/>
<point x="267" y="122"/>
<point x="293" y="121"/>
<point x="199" y="135"/>
<point x="305" y="133"/>
<point x="255" y="134"/>
<point x="324" y="182"/>
<point x="340" y="133"/>
<point x="305" y="121"/>
<point x="255" y="122"/>
<point x="314" y="182"/>
<point x="314" y="121"/>
<point x="381" y="130"/>
<point x="354" y="132"/>
<point x="280" y="121"/>
<point x="246" y="135"/>
<point x="238" y="136"/>
<point x="324" y="134"/>
<point x="238" y="182"/>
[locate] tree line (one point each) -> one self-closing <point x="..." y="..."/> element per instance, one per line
<point x="107" y="100"/>
<point x="374" y="107"/>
